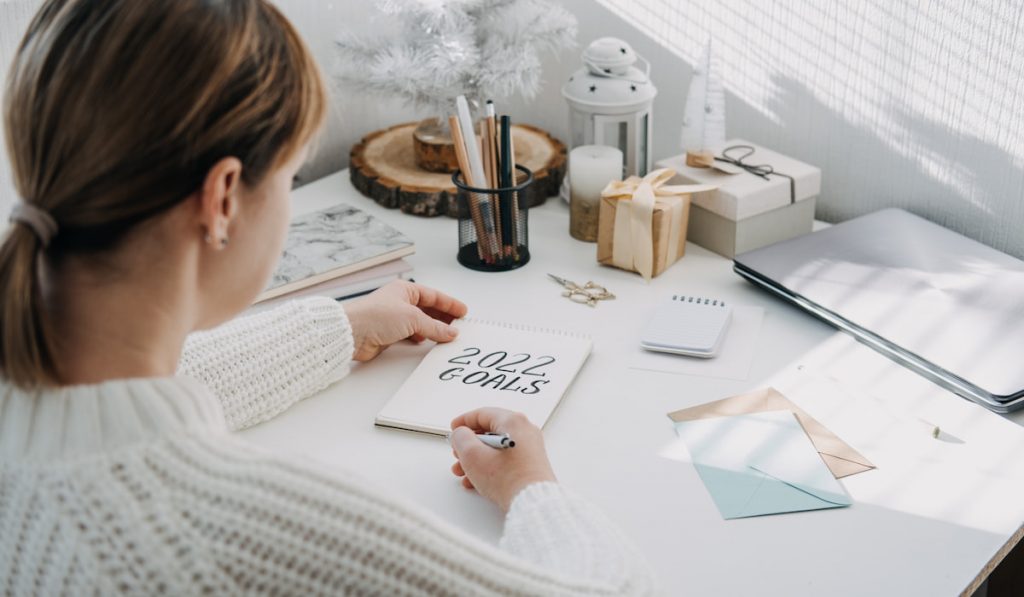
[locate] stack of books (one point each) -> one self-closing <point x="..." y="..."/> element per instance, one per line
<point x="341" y="252"/>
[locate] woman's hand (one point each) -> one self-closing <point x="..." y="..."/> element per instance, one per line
<point x="499" y="474"/>
<point x="398" y="311"/>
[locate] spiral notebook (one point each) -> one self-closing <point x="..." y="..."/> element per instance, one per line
<point x="517" y="367"/>
<point x="687" y="325"/>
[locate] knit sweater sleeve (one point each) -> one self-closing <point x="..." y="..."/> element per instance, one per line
<point x="555" y="529"/>
<point x="354" y="539"/>
<point x="259" y="365"/>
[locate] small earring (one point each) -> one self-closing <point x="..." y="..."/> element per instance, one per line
<point x="223" y="242"/>
<point x="208" y="238"/>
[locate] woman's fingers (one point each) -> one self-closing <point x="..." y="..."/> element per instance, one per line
<point x="432" y="329"/>
<point x="488" y="418"/>
<point x="425" y="297"/>
<point x="439" y="315"/>
<point x="466" y="444"/>
<point x="459" y="471"/>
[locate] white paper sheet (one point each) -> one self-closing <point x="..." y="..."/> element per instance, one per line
<point x="760" y="463"/>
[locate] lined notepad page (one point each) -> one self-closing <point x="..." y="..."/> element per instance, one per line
<point x="687" y="325"/>
<point x="520" y="368"/>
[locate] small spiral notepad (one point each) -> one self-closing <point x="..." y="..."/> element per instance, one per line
<point x="687" y="325"/>
<point x="521" y="368"/>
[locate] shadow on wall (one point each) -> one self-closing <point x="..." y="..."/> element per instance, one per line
<point x="935" y="181"/>
<point x="900" y="104"/>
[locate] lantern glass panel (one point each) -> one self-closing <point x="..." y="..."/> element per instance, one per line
<point x="578" y="128"/>
<point x="615" y="135"/>
<point x="643" y="132"/>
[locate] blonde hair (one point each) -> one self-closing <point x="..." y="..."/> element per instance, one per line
<point x="115" y="111"/>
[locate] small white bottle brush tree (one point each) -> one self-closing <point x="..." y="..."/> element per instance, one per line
<point x="703" y="130"/>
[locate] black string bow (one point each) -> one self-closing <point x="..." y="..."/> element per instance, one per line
<point x="761" y="170"/>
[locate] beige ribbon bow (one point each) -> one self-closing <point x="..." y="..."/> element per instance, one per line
<point x="633" y="238"/>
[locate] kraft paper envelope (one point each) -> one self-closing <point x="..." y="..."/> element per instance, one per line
<point x="760" y="463"/>
<point x="840" y="458"/>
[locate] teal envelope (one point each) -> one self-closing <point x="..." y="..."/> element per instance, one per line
<point x="760" y="463"/>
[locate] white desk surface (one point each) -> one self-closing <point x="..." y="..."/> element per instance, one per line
<point x="931" y="520"/>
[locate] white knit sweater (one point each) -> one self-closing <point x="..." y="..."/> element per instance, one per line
<point x="137" y="486"/>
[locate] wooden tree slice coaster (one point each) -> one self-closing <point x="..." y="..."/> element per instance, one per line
<point x="383" y="167"/>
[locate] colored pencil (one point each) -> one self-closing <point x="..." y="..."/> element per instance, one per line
<point x="486" y="149"/>
<point x="467" y="177"/>
<point x="514" y="205"/>
<point x="492" y="136"/>
<point x="488" y="132"/>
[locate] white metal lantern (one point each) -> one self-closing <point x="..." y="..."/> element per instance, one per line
<point x="610" y="102"/>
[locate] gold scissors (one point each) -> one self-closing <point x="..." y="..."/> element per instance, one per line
<point x="587" y="294"/>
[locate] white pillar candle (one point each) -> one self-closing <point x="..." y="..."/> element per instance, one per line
<point x="591" y="168"/>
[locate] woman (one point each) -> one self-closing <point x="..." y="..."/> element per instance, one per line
<point x="153" y="144"/>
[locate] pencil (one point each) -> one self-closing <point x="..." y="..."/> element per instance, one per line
<point x="485" y="153"/>
<point x="491" y="168"/>
<point x="467" y="177"/>
<point x="499" y="157"/>
<point x="514" y="212"/>
<point x="492" y="137"/>
<point x="492" y="198"/>
<point x="476" y="167"/>
<point x="507" y="180"/>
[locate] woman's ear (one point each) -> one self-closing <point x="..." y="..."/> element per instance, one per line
<point x="218" y="200"/>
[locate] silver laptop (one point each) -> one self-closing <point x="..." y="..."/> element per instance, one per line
<point x="945" y="306"/>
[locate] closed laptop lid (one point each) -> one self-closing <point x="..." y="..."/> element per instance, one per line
<point x="947" y="299"/>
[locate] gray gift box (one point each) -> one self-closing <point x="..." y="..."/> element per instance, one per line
<point x="747" y="211"/>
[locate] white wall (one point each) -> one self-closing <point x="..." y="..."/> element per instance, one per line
<point x="14" y="18"/>
<point x="914" y="106"/>
<point x="356" y="114"/>
<point x="352" y="115"/>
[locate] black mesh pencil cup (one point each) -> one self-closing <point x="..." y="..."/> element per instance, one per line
<point x="493" y="234"/>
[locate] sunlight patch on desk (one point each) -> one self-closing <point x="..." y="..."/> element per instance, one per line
<point x="973" y="477"/>
<point x="886" y="412"/>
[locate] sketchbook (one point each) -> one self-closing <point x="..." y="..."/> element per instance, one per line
<point x="510" y="366"/>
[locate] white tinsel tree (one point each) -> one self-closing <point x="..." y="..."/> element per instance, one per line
<point x="484" y="49"/>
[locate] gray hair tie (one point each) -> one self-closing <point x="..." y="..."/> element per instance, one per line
<point x="35" y="218"/>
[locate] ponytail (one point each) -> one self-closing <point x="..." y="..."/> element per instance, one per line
<point x="26" y="354"/>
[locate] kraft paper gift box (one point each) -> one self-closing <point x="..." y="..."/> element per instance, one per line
<point x="642" y="222"/>
<point x="747" y="211"/>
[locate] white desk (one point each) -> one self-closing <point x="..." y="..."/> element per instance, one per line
<point x="928" y="521"/>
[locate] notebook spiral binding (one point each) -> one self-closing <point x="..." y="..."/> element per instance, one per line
<point x="527" y="328"/>
<point x="697" y="300"/>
